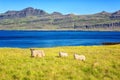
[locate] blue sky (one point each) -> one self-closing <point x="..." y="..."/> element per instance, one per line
<point x="63" y="6"/>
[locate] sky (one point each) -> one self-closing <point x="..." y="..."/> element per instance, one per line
<point x="63" y="6"/>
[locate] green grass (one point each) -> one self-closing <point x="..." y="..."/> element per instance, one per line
<point x="50" y="22"/>
<point x="102" y="63"/>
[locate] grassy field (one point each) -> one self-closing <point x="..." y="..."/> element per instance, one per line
<point x="102" y="63"/>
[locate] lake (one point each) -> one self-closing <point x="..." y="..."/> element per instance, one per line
<point x="28" y="39"/>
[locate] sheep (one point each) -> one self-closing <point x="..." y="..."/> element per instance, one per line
<point x="37" y="53"/>
<point x="79" y="57"/>
<point x="62" y="54"/>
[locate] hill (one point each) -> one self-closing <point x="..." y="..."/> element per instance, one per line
<point x="37" y="19"/>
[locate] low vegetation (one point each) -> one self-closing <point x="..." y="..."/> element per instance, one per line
<point x="102" y="63"/>
<point x="37" y="23"/>
<point x="32" y="19"/>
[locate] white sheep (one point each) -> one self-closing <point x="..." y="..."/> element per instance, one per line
<point x="37" y="53"/>
<point x="79" y="57"/>
<point x="62" y="54"/>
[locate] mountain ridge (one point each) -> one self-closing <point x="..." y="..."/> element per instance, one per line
<point x="30" y="11"/>
<point x="38" y="19"/>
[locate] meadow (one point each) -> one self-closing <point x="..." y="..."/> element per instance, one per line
<point x="102" y="63"/>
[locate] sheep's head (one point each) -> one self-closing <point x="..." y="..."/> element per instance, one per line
<point x="75" y="55"/>
<point x="32" y="49"/>
<point x="31" y="52"/>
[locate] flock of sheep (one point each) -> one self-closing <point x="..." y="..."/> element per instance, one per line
<point x="40" y="53"/>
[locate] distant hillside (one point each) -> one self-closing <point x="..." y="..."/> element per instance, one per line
<point x="23" y="13"/>
<point x="37" y="19"/>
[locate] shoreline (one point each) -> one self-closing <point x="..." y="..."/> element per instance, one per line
<point x="111" y="43"/>
<point x="64" y="30"/>
<point x="103" y="45"/>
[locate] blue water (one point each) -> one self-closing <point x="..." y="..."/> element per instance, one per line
<point x="28" y="39"/>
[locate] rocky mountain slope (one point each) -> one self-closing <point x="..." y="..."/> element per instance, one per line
<point x="23" y="13"/>
<point x="36" y="19"/>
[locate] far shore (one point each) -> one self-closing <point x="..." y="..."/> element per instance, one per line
<point x="57" y="30"/>
<point x="110" y="43"/>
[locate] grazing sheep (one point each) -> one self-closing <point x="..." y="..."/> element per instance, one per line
<point x="62" y="54"/>
<point x="79" y="57"/>
<point x="37" y="53"/>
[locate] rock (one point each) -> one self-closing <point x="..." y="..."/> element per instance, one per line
<point x="23" y="13"/>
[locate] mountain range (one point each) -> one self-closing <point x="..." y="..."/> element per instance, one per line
<point x="37" y="19"/>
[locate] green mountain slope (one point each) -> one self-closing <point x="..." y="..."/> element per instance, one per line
<point x="35" y="19"/>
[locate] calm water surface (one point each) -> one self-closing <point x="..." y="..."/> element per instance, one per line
<point x="27" y="39"/>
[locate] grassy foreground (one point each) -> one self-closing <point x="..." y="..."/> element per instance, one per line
<point x="102" y="63"/>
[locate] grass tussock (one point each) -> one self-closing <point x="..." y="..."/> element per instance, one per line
<point x="102" y="63"/>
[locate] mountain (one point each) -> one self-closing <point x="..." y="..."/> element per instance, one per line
<point x="115" y="15"/>
<point x="56" y="13"/>
<point x="104" y="13"/>
<point x="37" y="19"/>
<point x="23" y="13"/>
